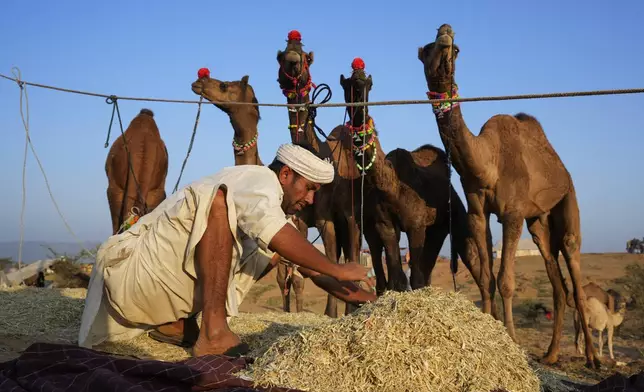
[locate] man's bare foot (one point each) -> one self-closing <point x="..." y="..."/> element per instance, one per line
<point x="172" y="329"/>
<point x="215" y="342"/>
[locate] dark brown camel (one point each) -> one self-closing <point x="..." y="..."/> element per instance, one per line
<point x="511" y="170"/>
<point x="334" y="210"/>
<point x="411" y="195"/>
<point x="245" y="120"/>
<point x="136" y="168"/>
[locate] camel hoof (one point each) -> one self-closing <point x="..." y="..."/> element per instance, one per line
<point x="549" y="359"/>
<point x="597" y="362"/>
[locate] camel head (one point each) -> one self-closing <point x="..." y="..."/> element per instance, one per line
<point x="294" y="67"/>
<point x="220" y="92"/>
<point x="356" y="89"/>
<point x="439" y="58"/>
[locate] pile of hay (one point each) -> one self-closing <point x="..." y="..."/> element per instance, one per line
<point x="258" y="330"/>
<point x="425" y="340"/>
<point x="53" y="315"/>
<point x="41" y="314"/>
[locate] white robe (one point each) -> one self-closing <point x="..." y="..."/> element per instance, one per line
<point x="146" y="276"/>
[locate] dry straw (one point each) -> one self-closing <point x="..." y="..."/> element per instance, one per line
<point x="426" y="340"/>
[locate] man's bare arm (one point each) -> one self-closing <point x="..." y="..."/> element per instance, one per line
<point x="345" y="291"/>
<point x="292" y="245"/>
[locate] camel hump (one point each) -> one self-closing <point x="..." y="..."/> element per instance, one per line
<point x="432" y="148"/>
<point x="526" y="118"/>
<point x="147" y="111"/>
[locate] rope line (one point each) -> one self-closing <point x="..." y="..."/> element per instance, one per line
<point x="25" y="121"/>
<point x="192" y="140"/>
<point x="344" y="104"/>
<point x="17" y="73"/>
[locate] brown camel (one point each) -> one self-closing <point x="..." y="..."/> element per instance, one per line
<point x="136" y="168"/>
<point x="245" y="120"/>
<point x="512" y="171"/>
<point x="334" y="210"/>
<point x="411" y="195"/>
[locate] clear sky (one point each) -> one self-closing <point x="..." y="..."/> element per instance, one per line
<point x="137" y="48"/>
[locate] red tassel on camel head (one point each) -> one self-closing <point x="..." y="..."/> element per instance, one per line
<point x="294" y="35"/>
<point x="203" y="72"/>
<point x="357" y="63"/>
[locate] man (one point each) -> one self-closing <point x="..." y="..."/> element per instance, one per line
<point x="203" y="248"/>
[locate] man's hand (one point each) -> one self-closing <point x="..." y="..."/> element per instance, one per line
<point x="294" y="247"/>
<point x="346" y="291"/>
<point x="353" y="272"/>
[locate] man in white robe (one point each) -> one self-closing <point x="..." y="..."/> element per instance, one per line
<point x="203" y="248"/>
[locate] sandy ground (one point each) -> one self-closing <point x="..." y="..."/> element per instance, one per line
<point x="532" y="285"/>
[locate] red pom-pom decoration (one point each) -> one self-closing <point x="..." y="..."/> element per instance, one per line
<point x="549" y="315"/>
<point x="203" y="72"/>
<point x="294" y="35"/>
<point x="357" y="63"/>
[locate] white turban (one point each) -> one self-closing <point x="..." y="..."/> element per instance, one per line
<point x="306" y="163"/>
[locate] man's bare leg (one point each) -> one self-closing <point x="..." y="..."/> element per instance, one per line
<point x="213" y="258"/>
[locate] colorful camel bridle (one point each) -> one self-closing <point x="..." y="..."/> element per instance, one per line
<point x="440" y="108"/>
<point x="360" y="133"/>
<point x="297" y="93"/>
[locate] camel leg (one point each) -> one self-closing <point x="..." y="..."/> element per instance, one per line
<point x="154" y="198"/>
<point x="434" y="239"/>
<point x="600" y="342"/>
<point x="566" y="213"/>
<point x="539" y="227"/>
<point x="577" y="326"/>
<point x="610" y="342"/>
<point x="512" y="228"/>
<point x="375" y="248"/>
<point x="466" y="247"/>
<point x="281" y="282"/>
<point x="298" y="287"/>
<point x="416" y="239"/>
<point x="478" y="227"/>
<point x="390" y="235"/>
<point x="327" y="232"/>
<point x="491" y="285"/>
<point x="351" y="249"/>
<point x="115" y="201"/>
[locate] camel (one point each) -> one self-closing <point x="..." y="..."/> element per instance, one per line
<point x="512" y="171"/>
<point x="599" y="318"/>
<point x="245" y="120"/>
<point x="334" y="210"/>
<point x="411" y="193"/>
<point x="136" y="168"/>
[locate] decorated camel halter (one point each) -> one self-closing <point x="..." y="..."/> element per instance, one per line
<point x="240" y="149"/>
<point x="134" y="217"/>
<point x="359" y="134"/>
<point x="294" y="93"/>
<point x="440" y="108"/>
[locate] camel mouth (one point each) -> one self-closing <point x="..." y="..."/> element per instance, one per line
<point x="444" y="40"/>
<point x="197" y="88"/>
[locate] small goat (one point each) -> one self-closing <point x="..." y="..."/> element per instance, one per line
<point x="599" y="317"/>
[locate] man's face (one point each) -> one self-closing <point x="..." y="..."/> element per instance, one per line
<point x="298" y="191"/>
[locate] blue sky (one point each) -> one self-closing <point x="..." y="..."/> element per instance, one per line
<point x="155" y="49"/>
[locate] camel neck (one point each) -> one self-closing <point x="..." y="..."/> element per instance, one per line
<point x="468" y="154"/>
<point x="245" y="140"/>
<point x="300" y="126"/>
<point x="369" y="156"/>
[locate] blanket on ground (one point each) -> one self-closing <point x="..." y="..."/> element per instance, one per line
<point x="46" y="367"/>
